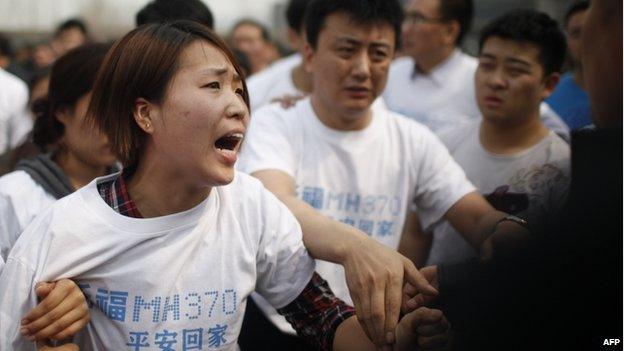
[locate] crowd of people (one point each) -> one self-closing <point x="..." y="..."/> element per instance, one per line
<point x="376" y="188"/>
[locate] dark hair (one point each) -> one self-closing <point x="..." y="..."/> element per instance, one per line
<point x="243" y="61"/>
<point x="295" y="13"/>
<point x="250" y="22"/>
<point x="37" y="76"/>
<point x="141" y="65"/>
<point x="533" y="27"/>
<point x="5" y="46"/>
<point x="161" y="11"/>
<point x="72" y="23"/>
<point x="361" y="11"/>
<point x="460" y="11"/>
<point x="575" y="8"/>
<point x="72" y="76"/>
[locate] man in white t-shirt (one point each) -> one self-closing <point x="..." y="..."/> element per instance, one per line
<point x="345" y="165"/>
<point x="15" y="121"/>
<point x="435" y="80"/>
<point x="519" y="165"/>
<point x="434" y="83"/>
<point x="285" y="80"/>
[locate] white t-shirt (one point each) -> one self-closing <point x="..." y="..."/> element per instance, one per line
<point x="180" y="280"/>
<point x="366" y="178"/>
<point x="446" y="96"/>
<point x="432" y="99"/>
<point x="532" y="184"/>
<point x="21" y="199"/>
<point x="273" y="82"/>
<point x="15" y="121"/>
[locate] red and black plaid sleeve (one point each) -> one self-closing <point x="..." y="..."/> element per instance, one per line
<point x="316" y="313"/>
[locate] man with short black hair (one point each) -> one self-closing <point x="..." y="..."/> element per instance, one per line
<point x="433" y="84"/>
<point x="520" y="166"/>
<point x="286" y="80"/>
<point x="350" y="169"/>
<point x="253" y="39"/>
<point x="70" y="34"/>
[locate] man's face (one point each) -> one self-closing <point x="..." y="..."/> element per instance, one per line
<point x="350" y="64"/>
<point x="248" y="39"/>
<point x="69" y="39"/>
<point x="424" y="31"/>
<point x="601" y="52"/>
<point x="510" y="82"/>
<point x="573" y="32"/>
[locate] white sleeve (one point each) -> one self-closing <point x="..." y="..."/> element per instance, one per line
<point x="17" y="297"/>
<point x="284" y="265"/>
<point x="4" y="130"/>
<point x="268" y="144"/>
<point x="441" y="182"/>
<point x="9" y="226"/>
<point x="21" y="125"/>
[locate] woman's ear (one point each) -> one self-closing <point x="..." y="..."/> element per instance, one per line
<point x="144" y="112"/>
<point x="63" y="114"/>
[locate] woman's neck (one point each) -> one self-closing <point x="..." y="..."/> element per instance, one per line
<point x="77" y="171"/>
<point x="159" y="193"/>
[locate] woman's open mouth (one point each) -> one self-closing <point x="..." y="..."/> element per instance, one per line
<point x="228" y="146"/>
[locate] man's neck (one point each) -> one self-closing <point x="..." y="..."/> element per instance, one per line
<point x="302" y="80"/>
<point x="341" y="120"/>
<point x="79" y="172"/>
<point x="158" y="192"/>
<point x="509" y="139"/>
<point x="428" y="63"/>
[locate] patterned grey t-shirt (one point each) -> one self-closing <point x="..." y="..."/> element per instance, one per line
<point x="532" y="184"/>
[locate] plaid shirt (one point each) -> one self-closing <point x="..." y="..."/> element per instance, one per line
<point x="315" y="314"/>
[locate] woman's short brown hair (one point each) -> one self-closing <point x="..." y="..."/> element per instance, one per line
<point x="141" y="65"/>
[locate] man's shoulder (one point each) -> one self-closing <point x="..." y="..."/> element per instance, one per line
<point x="465" y="64"/>
<point x="452" y="137"/>
<point x="558" y="149"/>
<point x="401" y="67"/>
<point x="276" y="71"/>
<point x="276" y="112"/>
<point x="11" y="84"/>
<point x="404" y="125"/>
<point x="19" y="185"/>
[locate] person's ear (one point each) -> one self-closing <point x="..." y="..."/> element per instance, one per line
<point x="64" y="115"/>
<point x="452" y="33"/>
<point x="144" y="115"/>
<point x="549" y="84"/>
<point x="308" y="57"/>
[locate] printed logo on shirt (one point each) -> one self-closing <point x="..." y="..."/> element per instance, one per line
<point x="135" y="310"/>
<point x="373" y="214"/>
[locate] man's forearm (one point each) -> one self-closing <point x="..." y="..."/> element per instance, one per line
<point x="474" y="218"/>
<point x="325" y="238"/>
<point x="415" y="244"/>
<point x="350" y="336"/>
